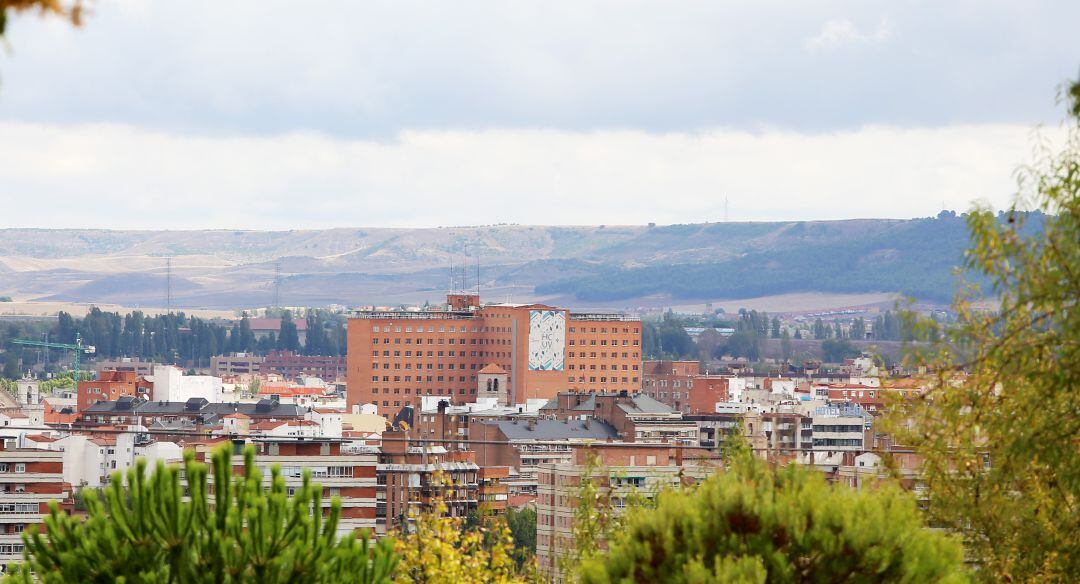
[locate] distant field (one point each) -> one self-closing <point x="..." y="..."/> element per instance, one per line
<point x="797" y="302"/>
<point x="81" y="308"/>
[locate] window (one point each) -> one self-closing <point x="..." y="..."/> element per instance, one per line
<point x="20" y="467"/>
<point x="20" y="508"/>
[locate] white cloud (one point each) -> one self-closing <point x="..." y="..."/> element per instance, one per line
<point x="840" y="33"/>
<point x="118" y="176"/>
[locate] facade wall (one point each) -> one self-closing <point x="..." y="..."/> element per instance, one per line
<point x="619" y="472"/>
<point x="236" y="364"/>
<point x="682" y="386"/>
<point x="291" y="365"/>
<point x="397" y="357"/>
<point x="29" y="479"/>
<point x="348" y="476"/>
<point x="110" y="386"/>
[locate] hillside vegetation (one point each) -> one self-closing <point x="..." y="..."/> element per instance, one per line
<point x="617" y="265"/>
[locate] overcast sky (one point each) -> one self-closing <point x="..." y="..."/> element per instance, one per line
<point x="266" y="114"/>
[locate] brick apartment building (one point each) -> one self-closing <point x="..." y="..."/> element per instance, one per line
<point x="683" y="386"/>
<point x="635" y="417"/>
<point x="111" y="386"/>
<point x="397" y="356"/>
<point x="285" y="363"/>
<point x="290" y="365"/>
<point x="523" y="445"/>
<point x="29" y="479"/>
<point x="619" y="470"/>
<point x="411" y="476"/>
<point x="352" y="477"/>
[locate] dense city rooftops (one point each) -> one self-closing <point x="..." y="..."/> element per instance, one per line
<point x="556" y="430"/>
<point x="266" y="408"/>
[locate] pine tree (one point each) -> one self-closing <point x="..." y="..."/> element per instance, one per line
<point x="149" y="530"/>
<point x="752" y="523"/>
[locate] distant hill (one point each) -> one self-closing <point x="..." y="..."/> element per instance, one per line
<point x="614" y="266"/>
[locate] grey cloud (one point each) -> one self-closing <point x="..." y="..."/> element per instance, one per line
<point x="354" y="69"/>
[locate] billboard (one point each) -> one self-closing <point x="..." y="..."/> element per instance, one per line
<point x="547" y="340"/>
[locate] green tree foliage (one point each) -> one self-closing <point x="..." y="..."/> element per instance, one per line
<point x="592" y="520"/>
<point x="170" y="338"/>
<point x="858" y="328"/>
<point x="243" y="531"/>
<point x="11" y="366"/>
<point x="743" y="344"/>
<point x="667" y="339"/>
<point x="786" y="349"/>
<point x="914" y="257"/>
<point x="323" y="334"/>
<point x="522" y="524"/>
<point x="753" y="524"/>
<point x="835" y="351"/>
<point x="289" y="338"/>
<point x="998" y="432"/>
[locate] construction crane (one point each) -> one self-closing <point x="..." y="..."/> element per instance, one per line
<point x="79" y="348"/>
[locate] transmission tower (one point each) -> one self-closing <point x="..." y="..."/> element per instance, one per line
<point x="168" y="285"/>
<point x="277" y="284"/>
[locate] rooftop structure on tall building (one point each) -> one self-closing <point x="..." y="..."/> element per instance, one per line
<point x="398" y="356"/>
<point x="132" y="364"/>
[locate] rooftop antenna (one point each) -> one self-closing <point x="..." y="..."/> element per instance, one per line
<point x="168" y="285"/>
<point x="725" y="209"/>
<point x="477" y="275"/>
<point x="277" y="284"/>
<point x="451" y="289"/>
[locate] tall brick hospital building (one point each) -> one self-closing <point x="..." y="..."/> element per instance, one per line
<point x="515" y="352"/>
